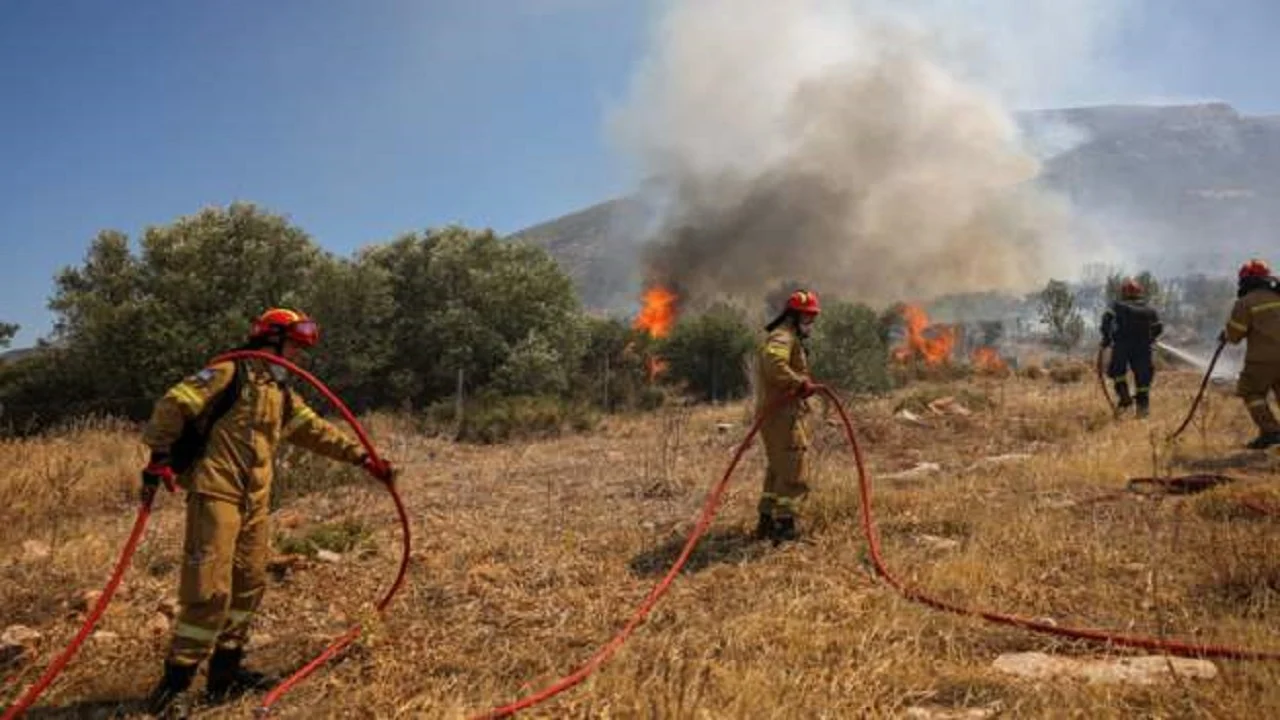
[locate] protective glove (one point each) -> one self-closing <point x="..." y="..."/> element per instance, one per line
<point x="158" y="471"/>
<point x="380" y="469"/>
<point x="807" y="388"/>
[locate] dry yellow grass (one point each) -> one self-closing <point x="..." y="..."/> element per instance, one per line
<point x="529" y="556"/>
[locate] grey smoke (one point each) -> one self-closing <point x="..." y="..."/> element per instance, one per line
<point x="845" y="145"/>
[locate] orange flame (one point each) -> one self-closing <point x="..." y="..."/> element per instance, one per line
<point x="930" y="342"/>
<point x="657" y="311"/>
<point x="654" y="366"/>
<point x="987" y="359"/>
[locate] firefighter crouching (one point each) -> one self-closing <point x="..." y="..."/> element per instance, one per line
<point x="783" y="384"/>
<point x="1129" y="327"/>
<point x="228" y="486"/>
<point x="1255" y="317"/>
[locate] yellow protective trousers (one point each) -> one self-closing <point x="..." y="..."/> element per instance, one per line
<point x="223" y="577"/>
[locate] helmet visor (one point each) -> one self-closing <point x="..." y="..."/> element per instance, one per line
<point x="305" y="332"/>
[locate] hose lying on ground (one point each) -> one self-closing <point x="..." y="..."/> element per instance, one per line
<point x="707" y="514"/>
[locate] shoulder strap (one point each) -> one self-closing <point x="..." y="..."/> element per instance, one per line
<point x="227" y="398"/>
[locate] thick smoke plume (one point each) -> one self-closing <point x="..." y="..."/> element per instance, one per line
<point x="824" y="142"/>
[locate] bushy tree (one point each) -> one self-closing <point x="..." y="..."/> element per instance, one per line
<point x="612" y="374"/>
<point x="848" y="350"/>
<point x="465" y="300"/>
<point x="706" y="353"/>
<point x="1058" y="311"/>
<point x="7" y="331"/>
<point x="397" y="321"/>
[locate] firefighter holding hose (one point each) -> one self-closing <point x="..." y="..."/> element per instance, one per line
<point x="1129" y="327"/>
<point x="216" y="433"/>
<point x="1255" y="317"/>
<point x="783" y="384"/>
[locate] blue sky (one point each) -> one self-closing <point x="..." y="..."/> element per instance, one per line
<point x="360" y="119"/>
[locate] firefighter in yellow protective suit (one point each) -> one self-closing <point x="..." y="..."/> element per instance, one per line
<point x="1255" y="317"/>
<point x="244" y="410"/>
<point x="783" y="385"/>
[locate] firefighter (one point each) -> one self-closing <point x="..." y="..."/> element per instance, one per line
<point x="1129" y="328"/>
<point x="1256" y="317"/>
<point x="228" y="486"/>
<point x="783" y="384"/>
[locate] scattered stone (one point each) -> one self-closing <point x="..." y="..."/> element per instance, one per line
<point x="328" y="556"/>
<point x="17" y="643"/>
<point x="33" y="550"/>
<point x="1006" y="458"/>
<point x="167" y="607"/>
<point x="289" y="519"/>
<point x="948" y="406"/>
<point x="258" y="640"/>
<point x="1145" y="670"/>
<point x="158" y="625"/>
<point x="723" y="428"/>
<point x="282" y="565"/>
<point x="935" y="542"/>
<point x="920" y="470"/>
<point x="908" y="416"/>
<point x="86" y="600"/>
<point x="938" y="712"/>
<point x="105" y="636"/>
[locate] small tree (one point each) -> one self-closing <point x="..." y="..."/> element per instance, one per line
<point x="1058" y="311"/>
<point x="848" y="351"/>
<point x="706" y="353"/>
<point x="7" y="331"/>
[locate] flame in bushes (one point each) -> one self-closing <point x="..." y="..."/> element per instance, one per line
<point x="987" y="359"/>
<point x="931" y="343"/>
<point x="657" y="311"/>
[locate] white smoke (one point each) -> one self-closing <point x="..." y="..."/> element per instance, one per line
<point x="865" y="148"/>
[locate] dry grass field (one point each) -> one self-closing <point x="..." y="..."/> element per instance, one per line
<point x="528" y="556"/>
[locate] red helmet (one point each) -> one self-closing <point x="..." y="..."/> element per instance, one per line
<point x="285" y="323"/>
<point x="804" y="301"/>
<point x="1255" y="268"/>
<point x="1131" y="288"/>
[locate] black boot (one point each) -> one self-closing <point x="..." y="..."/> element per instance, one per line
<point x="765" y="527"/>
<point x="1123" y="400"/>
<point x="1264" y="441"/>
<point x="1144" y="404"/>
<point x="227" y="678"/>
<point x="785" y="530"/>
<point x="177" y="678"/>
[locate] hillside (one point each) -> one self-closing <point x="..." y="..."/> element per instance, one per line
<point x="529" y="556"/>
<point x="1185" y="185"/>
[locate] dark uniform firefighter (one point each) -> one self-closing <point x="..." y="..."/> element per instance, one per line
<point x="1129" y="327"/>
<point x="228" y="486"/>
<point x="1255" y="317"/>
<point x="783" y="384"/>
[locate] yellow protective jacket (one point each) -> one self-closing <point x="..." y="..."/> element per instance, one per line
<point x="1256" y="316"/>
<point x="781" y="368"/>
<point x="237" y="463"/>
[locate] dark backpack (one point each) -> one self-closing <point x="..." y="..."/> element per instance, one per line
<point x="187" y="450"/>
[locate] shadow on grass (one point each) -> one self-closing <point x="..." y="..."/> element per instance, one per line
<point x="729" y="546"/>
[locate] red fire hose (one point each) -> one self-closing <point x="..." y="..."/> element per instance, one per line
<point x="873" y="541"/>
<point x="1102" y="382"/>
<point x="1200" y="394"/>
<point x="99" y="607"/>
<point x="144" y="513"/>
